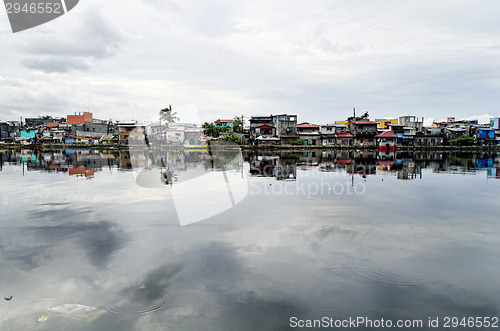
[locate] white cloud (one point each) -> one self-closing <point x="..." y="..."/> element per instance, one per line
<point x="483" y="118"/>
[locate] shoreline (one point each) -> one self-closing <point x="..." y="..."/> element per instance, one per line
<point x="295" y="148"/>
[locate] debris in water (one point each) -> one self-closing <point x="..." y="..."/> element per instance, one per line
<point x="8" y="298"/>
<point x="78" y="312"/>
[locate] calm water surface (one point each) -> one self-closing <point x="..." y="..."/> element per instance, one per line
<point x="104" y="240"/>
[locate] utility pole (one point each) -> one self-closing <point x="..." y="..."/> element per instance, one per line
<point x="354" y="110"/>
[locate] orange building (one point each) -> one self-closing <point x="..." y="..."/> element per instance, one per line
<point x="79" y="119"/>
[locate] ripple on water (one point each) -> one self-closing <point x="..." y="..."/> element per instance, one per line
<point x="148" y="294"/>
<point x="138" y="300"/>
<point x="136" y="310"/>
<point x="396" y="270"/>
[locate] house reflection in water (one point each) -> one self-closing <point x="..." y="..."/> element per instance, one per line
<point x="81" y="163"/>
<point x="364" y="163"/>
<point x="281" y="166"/>
<point x="403" y="167"/>
<point x="273" y="166"/>
<point x="491" y="164"/>
<point x="408" y="169"/>
<point x="81" y="172"/>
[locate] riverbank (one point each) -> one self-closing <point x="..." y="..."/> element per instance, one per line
<point x="373" y="148"/>
<point x="122" y="147"/>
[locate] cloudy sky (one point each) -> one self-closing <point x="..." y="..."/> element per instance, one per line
<point x="128" y="59"/>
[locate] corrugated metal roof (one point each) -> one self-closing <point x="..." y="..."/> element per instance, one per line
<point x="307" y="125"/>
<point x="344" y="135"/>
<point x="386" y="134"/>
<point x="264" y="127"/>
<point x="364" y="122"/>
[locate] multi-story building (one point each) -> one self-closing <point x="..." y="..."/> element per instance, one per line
<point x="225" y="124"/>
<point x="258" y="121"/>
<point x="412" y="121"/>
<point x="335" y="134"/>
<point x="386" y="142"/>
<point x="9" y="130"/>
<point x="309" y="133"/>
<point x="432" y="136"/>
<point x="80" y="118"/>
<point x="37" y="121"/>
<point x="130" y="131"/>
<point x="286" y="127"/>
<point x="333" y="128"/>
<point x="281" y="128"/>
<point x="364" y="132"/>
<point x="102" y="127"/>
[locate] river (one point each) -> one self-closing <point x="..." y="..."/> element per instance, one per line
<point x="225" y="240"/>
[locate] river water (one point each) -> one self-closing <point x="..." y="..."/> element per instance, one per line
<point x="230" y="240"/>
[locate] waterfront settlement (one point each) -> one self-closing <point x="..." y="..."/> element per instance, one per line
<point x="269" y="130"/>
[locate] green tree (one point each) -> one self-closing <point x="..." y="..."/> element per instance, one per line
<point x="365" y="116"/>
<point x="211" y="130"/>
<point x="232" y="137"/>
<point x="168" y="115"/>
<point x="298" y="142"/>
<point x="237" y="125"/>
<point x="464" y="140"/>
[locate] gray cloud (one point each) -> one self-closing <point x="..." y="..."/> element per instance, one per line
<point x="56" y="65"/>
<point x="317" y="59"/>
<point x="54" y="237"/>
<point x="213" y="279"/>
<point x="93" y="37"/>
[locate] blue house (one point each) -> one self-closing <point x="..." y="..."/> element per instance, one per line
<point x="75" y="139"/>
<point x="27" y="134"/>
<point x="485" y="133"/>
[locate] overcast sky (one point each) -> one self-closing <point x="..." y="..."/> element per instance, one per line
<point x="128" y="59"/>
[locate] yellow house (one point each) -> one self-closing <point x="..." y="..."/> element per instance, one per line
<point x="346" y="123"/>
<point x="382" y="124"/>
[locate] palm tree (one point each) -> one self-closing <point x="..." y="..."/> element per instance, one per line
<point x="168" y="115"/>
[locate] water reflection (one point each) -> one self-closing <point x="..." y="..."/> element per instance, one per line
<point x="105" y="253"/>
<point x="281" y="166"/>
<point x="403" y="165"/>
